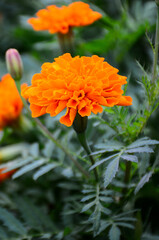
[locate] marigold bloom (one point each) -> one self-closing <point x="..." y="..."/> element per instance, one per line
<point x="59" y="20"/>
<point x="4" y="176"/>
<point x="10" y="101"/>
<point x="77" y="84"/>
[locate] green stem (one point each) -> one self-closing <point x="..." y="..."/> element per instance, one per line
<point x="156" y="49"/>
<point x="45" y="132"/>
<point x="83" y="141"/>
<point x="66" y="42"/>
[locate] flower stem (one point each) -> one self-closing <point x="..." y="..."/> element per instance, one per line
<point x="80" y="126"/>
<point x="45" y="132"/>
<point x="156" y="48"/>
<point x="66" y="42"/>
<point x="83" y="141"/>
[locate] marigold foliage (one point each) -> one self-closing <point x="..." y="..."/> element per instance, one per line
<point x="60" y="19"/>
<point x="77" y="84"/>
<point x="10" y="101"/>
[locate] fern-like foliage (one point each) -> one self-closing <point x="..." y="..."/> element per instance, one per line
<point x="30" y="221"/>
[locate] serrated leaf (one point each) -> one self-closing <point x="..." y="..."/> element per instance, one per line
<point x="123" y="224"/>
<point x="28" y="168"/>
<point x="34" y="150"/>
<point x="131" y="219"/>
<point x="129" y="157"/>
<point x="103" y="226"/>
<point x="140" y="150"/>
<point x="33" y="215"/>
<point x="106" y="199"/>
<point x="17" y="164"/>
<point x="11" y="222"/>
<point x="111" y="171"/>
<point x="143" y="180"/>
<point x="142" y="142"/>
<point x="88" y="206"/>
<point x="45" y="169"/>
<point x="106" y="211"/>
<point x="109" y="147"/>
<point x="102" y="161"/>
<point x="84" y="199"/>
<point x="114" y="233"/>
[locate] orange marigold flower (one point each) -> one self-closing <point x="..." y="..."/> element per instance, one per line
<point x="78" y="84"/>
<point x="10" y="101"/>
<point x="60" y="19"/>
<point x="4" y="176"/>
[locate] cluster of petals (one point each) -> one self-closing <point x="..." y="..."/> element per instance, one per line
<point x="79" y="84"/>
<point x="10" y="101"/>
<point x="60" y="19"/>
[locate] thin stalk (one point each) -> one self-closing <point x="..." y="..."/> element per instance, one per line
<point x="83" y="141"/>
<point x="66" y="42"/>
<point x="62" y="42"/>
<point x="45" y="132"/>
<point x="156" y="48"/>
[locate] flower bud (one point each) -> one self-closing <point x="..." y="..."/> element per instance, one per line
<point x="14" y="64"/>
<point x="80" y="124"/>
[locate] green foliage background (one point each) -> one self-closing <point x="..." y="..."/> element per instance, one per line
<point x="48" y="198"/>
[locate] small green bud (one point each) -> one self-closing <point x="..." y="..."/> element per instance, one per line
<point x="14" y="64"/>
<point x="80" y="124"/>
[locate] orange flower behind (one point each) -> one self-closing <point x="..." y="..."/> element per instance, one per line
<point x="10" y="101"/>
<point x="80" y="85"/>
<point x="60" y="19"/>
<point x="4" y="176"/>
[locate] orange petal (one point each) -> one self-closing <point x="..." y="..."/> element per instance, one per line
<point x="69" y="117"/>
<point x="37" y="110"/>
<point x="96" y="108"/>
<point x="125" y="101"/>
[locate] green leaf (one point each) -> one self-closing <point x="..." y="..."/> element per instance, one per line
<point x="29" y="167"/>
<point x="143" y="180"/>
<point x="142" y="142"/>
<point x="106" y="199"/>
<point x="140" y="150"/>
<point x="111" y="171"/>
<point x="102" y="161"/>
<point x="103" y="226"/>
<point x="129" y="157"/>
<point x="43" y="170"/>
<point x="123" y="224"/>
<point x="114" y="233"/>
<point x="28" y="213"/>
<point x="84" y="199"/>
<point x="11" y="222"/>
<point x="34" y="150"/>
<point x="17" y="164"/>
<point x="88" y="206"/>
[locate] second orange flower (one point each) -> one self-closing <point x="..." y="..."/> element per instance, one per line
<point x="61" y="19"/>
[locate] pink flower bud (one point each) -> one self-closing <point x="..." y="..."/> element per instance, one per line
<point x="14" y="64"/>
